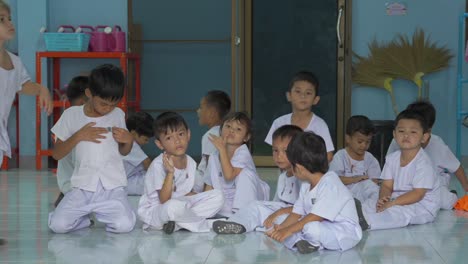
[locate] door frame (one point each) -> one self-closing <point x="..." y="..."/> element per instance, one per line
<point x="344" y="63"/>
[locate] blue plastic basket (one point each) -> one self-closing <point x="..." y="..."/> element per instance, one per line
<point x="66" y="41"/>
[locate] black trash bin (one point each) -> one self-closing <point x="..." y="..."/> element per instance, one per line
<point x="382" y="139"/>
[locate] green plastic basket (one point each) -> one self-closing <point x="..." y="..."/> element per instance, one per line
<point x="66" y="41"/>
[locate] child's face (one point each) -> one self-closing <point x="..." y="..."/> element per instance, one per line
<point x="174" y="142"/>
<point x="279" y="152"/>
<point x="302" y="96"/>
<point x="99" y="106"/>
<point x="7" y="29"/>
<point x="234" y="132"/>
<point x="139" y="139"/>
<point x="204" y="112"/>
<point x="358" y="143"/>
<point x="409" y="134"/>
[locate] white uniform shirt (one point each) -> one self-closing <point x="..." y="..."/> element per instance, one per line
<point x="133" y="162"/>
<point x="345" y="166"/>
<point x="11" y="82"/>
<point x="207" y="148"/>
<point x="418" y="174"/>
<point x="287" y="189"/>
<point x="441" y="156"/>
<point x="329" y="199"/>
<point x="316" y="125"/>
<point x="93" y="162"/>
<point x="65" y="169"/>
<point x="184" y="180"/>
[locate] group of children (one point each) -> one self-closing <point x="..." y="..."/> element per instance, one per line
<point x="322" y="201"/>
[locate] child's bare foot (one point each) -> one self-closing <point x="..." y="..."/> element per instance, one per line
<point x="169" y="227"/>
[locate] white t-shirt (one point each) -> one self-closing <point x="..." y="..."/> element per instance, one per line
<point x="287" y="189"/>
<point x="184" y="180"/>
<point x="65" y="171"/>
<point x="11" y="82"/>
<point x="316" y="125"/>
<point x="345" y="166"/>
<point x="93" y="162"/>
<point x="442" y="157"/>
<point x="418" y="174"/>
<point x="207" y="148"/>
<point x="329" y="199"/>
<point x="133" y="162"/>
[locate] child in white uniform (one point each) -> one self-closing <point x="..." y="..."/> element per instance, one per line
<point x="169" y="202"/>
<point x="231" y="169"/>
<point x="214" y="106"/>
<point x="95" y="133"/>
<point x="355" y="166"/>
<point x="303" y="94"/>
<point x="265" y="213"/>
<point x="76" y="96"/>
<point x="136" y="163"/>
<point x="442" y="158"/>
<point x="324" y="216"/>
<point x="14" y="79"/>
<point x="409" y="193"/>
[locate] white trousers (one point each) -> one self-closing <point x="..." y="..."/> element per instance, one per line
<point x="189" y="212"/>
<point x="249" y="188"/>
<point x="364" y="190"/>
<point x="255" y="214"/>
<point x="447" y="199"/>
<point x="136" y="183"/>
<point x="327" y="235"/>
<point x="110" y="207"/>
<point x="395" y="216"/>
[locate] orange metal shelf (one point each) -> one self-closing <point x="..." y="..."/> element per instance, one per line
<point x="124" y="59"/>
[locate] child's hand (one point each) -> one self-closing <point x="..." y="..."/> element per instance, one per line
<point x="268" y="223"/>
<point x="91" y="133"/>
<point x="45" y="100"/>
<point x="363" y="178"/>
<point x="281" y="234"/>
<point x="381" y="203"/>
<point x="168" y="163"/>
<point x="218" y="142"/>
<point x="122" y="135"/>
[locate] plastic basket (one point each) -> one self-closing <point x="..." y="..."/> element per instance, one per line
<point x="66" y="41"/>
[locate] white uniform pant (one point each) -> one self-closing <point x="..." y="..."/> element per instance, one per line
<point x="364" y="190"/>
<point x="110" y="207"/>
<point x="396" y="216"/>
<point x="249" y="188"/>
<point x="327" y="235"/>
<point x="189" y="212"/>
<point x="447" y="199"/>
<point x="136" y="183"/>
<point x="255" y="214"/>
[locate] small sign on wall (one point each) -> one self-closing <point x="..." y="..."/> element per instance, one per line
<point x="396" y="9"/>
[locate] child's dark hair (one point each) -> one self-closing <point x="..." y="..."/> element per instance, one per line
<point x="141" y="123"/>
<point x="241" y="117"/>
<point x="167" y="122"/>
<point x="426" y="109"/>
<point x="108" y="82"/>
<point x="308" y="149"/>
<point x="307" y="77"/>
<point x="76" y="88"/>
<point x="413" y="115"/>
<point x="286" y="131"/>
<point x="361" y="124"/>
<point x="220" y="101"/>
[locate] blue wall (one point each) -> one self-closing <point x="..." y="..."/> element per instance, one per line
<point x="440" y="20"/>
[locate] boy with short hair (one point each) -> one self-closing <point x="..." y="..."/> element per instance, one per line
<point x="266" y="213"/>
<point x="214" y="106"/>
<point x="136" y="163"/>
<point x="95" y="135"/>
<point x="324" y="216"/>
<point x="303" y="94"/>
<point x="445" y="163"/>
<point x="355" y="166"/>
<point x="409" y="193"/>
<point x="169" y="202"/>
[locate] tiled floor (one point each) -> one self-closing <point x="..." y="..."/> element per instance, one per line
<point x="26" y="198"/>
